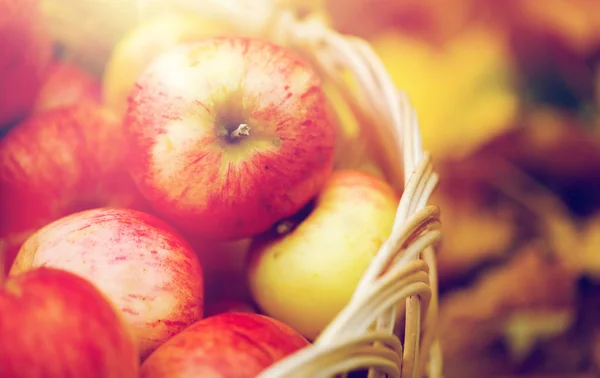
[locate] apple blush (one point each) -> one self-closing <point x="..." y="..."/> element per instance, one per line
<point x="227" y="136"/>
<point x="56" y="324"/>
<point x="237" y="345"/>
<point x="58" y="162"/>
<point x="142" y="265"/>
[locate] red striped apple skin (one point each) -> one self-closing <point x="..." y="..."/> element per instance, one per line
<point x="25" y="53"/>
<point x="56" y="324"/>
<point x="232" y="345"/>
<point x="138" y="261"/>
<point x="59" y="162"/>
<point x="189" y="155"/>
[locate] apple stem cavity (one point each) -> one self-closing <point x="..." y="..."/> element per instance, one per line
<point x="242" y="130"/>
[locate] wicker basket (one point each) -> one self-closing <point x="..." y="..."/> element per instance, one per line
<point x="397" y="297"/>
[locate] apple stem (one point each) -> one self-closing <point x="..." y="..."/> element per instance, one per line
<point x="284" y="227"/>
<point x="242" y="130"/>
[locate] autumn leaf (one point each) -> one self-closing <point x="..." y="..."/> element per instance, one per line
<point x="597" y="95"/>
<point x="434" y="21"/>
<point x="575" y="21"/>
<point x="530" y="283"/>
<point x="588" y="252"/>
<point x="472" y="235"/>
<point x="463" y="93"/>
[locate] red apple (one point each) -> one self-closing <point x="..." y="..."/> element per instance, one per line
<point x="56" y="324"/>
<point x="229" y="135"/>
<point x="66" y="84"/>
<point x="59" y="162"/>
<point x="228" y="345"/>
<point x="25" y="52"/>
<point x="139" y="262"/>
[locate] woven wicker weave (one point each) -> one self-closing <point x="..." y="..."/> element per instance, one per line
<point x="398" y="293"/>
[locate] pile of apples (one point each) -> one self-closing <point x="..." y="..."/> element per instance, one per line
<point x="181" y="216"/>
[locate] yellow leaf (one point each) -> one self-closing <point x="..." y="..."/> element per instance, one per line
<point x="463" y="93"/>
<point x="487" y="308"/>
<point x="472" y="235"/>
<point x="523" y="330"/>
<point x="589" y="254"/>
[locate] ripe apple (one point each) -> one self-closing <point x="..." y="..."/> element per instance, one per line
<point x="66" y="84"/>
<point x="229" y="135"/>
<point x="56" y="324"/>
<point x="138" y="261"/>
<point x="142" y="44"/>
<point x="25" y="52"/>
<point x="227" y="345"/>
<point x="59" y="162"/>
<point x="305" y="271"/>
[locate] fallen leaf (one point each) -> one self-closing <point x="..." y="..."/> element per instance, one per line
<point x="588" y="254"/>
<point x="524" y="330"/>
<point x="529" y="282"/>
<point x="472" y="235"/>
<point x="434" y="21"/>
<point x="463" y="93"/>
<point x="576" y="21"/>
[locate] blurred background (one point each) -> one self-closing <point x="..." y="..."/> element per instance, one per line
<point x="508" y="97"/>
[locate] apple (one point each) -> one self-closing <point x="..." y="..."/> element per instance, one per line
<point x="59" y="162"/>
<point x="145" y="42"/>
<point x="56" y="324"/>
<point x="229" y="135"/>
<point x="138" y="261"/>
<point x="66" y="84"/>
<point x="227" y="345"/>
<point x="25" y="52"/>
<point x="305" y="270"/>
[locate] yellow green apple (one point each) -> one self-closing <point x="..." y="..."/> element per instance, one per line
<point x="305" y="271"/>
<point x="145" y="42"/>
